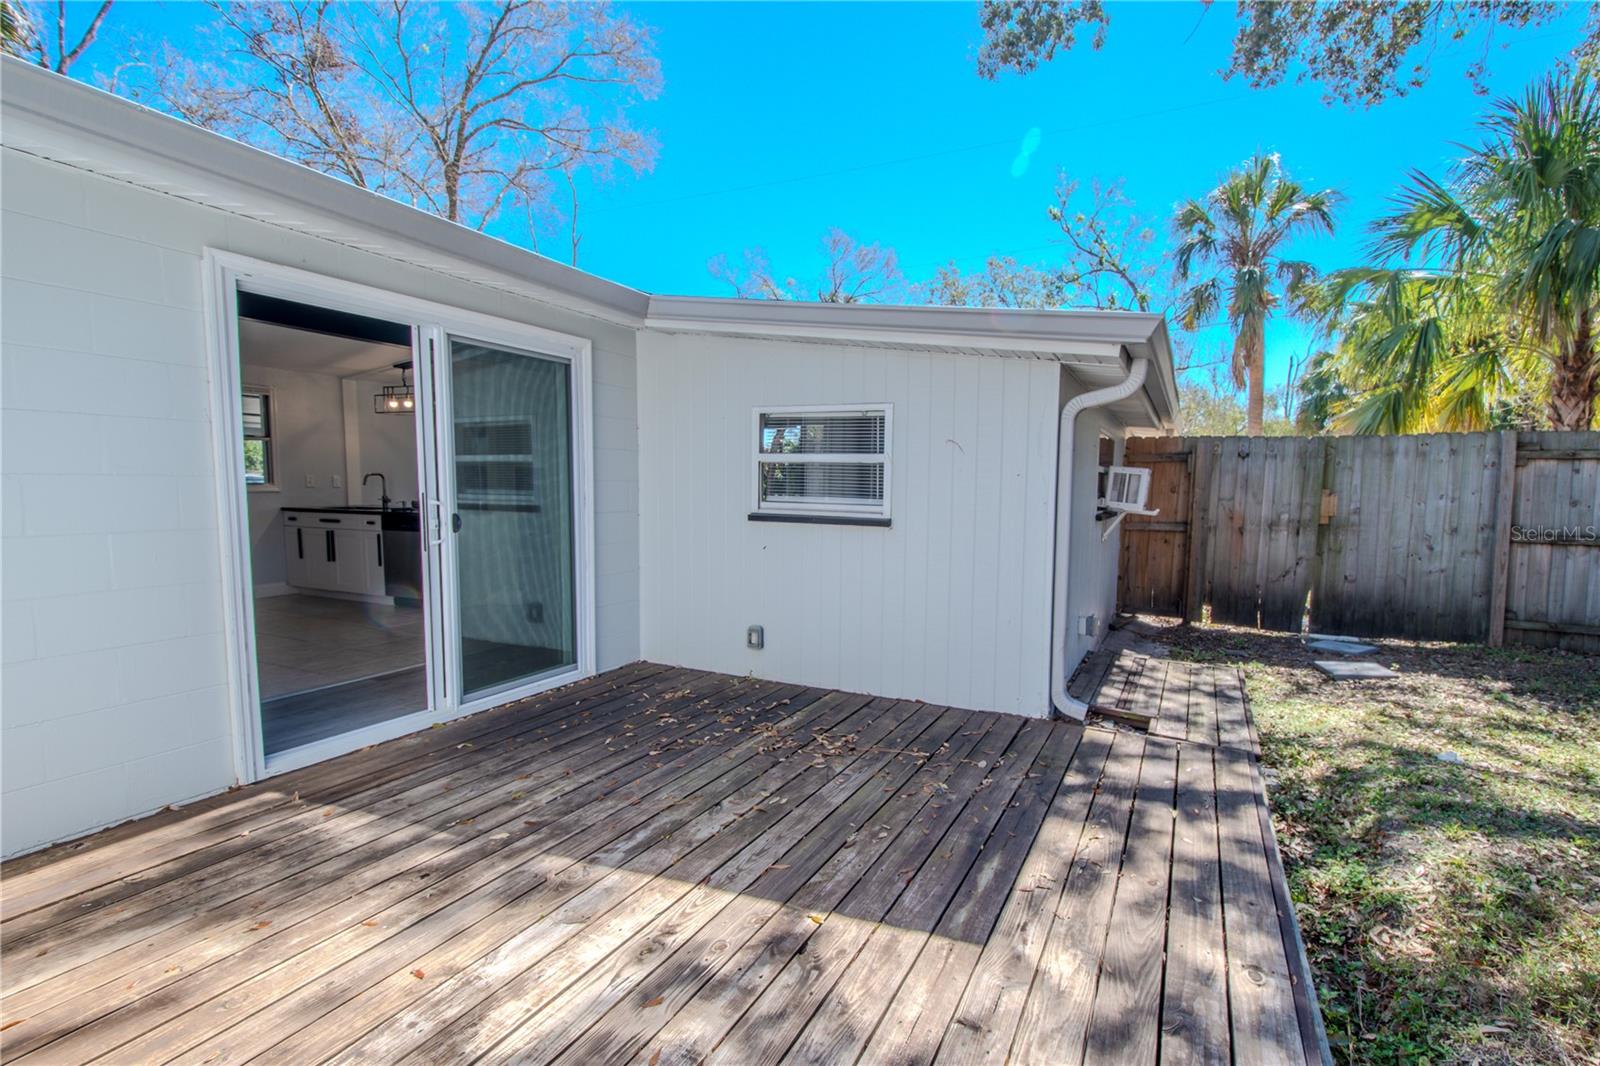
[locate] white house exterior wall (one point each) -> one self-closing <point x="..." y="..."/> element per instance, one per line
<point x="1092" y="588"/>
<point x="114" y="667"/>
<point x="951" y="604"/>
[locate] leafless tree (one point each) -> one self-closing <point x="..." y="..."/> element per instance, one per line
<point x="1111" y="260"/>
<point x="853" y="273"/>
<point x="1111" y="256"/>
<point x="1003" y="282"/>
<point x="464" y="110"/>
<point x="751" y="278"/>
<point x="29" y="31"/>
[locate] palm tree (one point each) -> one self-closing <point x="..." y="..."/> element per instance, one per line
<point x="1506" y="298"/>
<point x="1235" y="237"/>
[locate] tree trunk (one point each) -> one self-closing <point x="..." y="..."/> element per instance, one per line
<point x="1255" y="370"/>
<point x="1575" y="380"/>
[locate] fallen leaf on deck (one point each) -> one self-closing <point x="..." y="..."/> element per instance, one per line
<point x="19" y="1021"/>
<point x="654" y="1002"/>
<point x="817" y="918"/>
<point x="418" y="974"/>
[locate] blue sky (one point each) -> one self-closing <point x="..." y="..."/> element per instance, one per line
<point x="777" y="121"/>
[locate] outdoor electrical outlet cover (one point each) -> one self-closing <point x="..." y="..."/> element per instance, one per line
<point x="755" y="638"/>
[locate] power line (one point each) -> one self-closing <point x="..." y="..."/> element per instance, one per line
<point x="941" y="153"/>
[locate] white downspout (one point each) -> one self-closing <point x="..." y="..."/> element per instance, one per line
<point x="1063" y="703"/>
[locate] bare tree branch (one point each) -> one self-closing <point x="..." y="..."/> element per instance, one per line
<point x="21" y="35"/>
<point x="1109" y="249"/>
<point x="852" y="273"/>
<point x="460" y="109"/>
<point x="84" y="41"/>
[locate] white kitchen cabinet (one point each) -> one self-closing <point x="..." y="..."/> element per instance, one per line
<point x="356" y="561"/>
<point x="333" y="552"/>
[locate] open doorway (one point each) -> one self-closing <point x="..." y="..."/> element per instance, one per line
<point x="330" y="441"/>
<point x="409" y="516"/>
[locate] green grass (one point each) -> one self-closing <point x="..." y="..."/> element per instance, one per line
<point x="1451" y="912"/>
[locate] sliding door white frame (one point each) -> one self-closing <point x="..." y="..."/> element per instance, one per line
<point x="225" y="274"/>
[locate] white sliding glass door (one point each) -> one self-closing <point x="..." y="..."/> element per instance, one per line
<point x="505" y="530"/>
<point x="504" y="510"/>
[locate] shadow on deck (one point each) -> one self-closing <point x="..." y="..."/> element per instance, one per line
<point x="671" y="866"/>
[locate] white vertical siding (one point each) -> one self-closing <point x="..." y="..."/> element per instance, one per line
<point x="113" y="701"/>
<point x="1092" y="588"/>
<point x="951" y="604"/>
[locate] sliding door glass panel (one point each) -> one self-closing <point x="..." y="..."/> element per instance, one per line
<point x="516" y="594"/>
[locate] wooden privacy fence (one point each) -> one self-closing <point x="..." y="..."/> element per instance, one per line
<point x="1447" y="536"/>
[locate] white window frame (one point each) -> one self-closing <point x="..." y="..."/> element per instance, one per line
<point x="271" y="439"/>
<point x="432" y="323"/>
<point x="877" y="514"/>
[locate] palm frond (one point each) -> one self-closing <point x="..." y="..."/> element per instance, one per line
<point x="1199" y="303"/>
<point x="1430" y="219"/>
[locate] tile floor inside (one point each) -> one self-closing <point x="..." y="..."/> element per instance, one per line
<point x="327" y="666"/>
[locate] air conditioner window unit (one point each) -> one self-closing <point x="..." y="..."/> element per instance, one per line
<point x="1127" y="490"/>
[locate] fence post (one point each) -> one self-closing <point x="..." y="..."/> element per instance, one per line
<point x="1200" y="467"/>
<point x="1324" y="518"/>
<point x="1505" y="499"/>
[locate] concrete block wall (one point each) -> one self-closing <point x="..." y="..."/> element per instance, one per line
<point x="114" y="698"/>
<point x="114" y="682"/>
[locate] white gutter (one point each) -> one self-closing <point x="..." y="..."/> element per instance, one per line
<point x="1063" y="703"/>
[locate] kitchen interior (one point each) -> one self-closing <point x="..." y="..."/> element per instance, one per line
<point x="330" y="427"/>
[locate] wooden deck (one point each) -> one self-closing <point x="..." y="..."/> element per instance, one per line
<point x="663" y="866"/>
<point x="1197" y="702"/>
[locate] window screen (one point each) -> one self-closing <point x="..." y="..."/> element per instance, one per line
<point x="823" y="461"/>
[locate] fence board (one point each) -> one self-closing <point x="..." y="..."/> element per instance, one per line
<point x="1555" y="587"/>
<point x="1155" y="550"/>
<point x="1417" y="542"/>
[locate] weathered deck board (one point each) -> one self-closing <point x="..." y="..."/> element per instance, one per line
<point x="669" y="866"/>
<point x="1196" y="702"/>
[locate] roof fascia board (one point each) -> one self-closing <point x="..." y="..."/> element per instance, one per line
<point x="1086" y="353"/>
<point x="1063" y="334"/>
<point x="56" y="117"/>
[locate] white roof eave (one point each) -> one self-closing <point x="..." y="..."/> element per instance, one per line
<point x="54" y="117"/>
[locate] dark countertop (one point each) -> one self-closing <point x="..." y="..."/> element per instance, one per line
<point x="340" y="510"/>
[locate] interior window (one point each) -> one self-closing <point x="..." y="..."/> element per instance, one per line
<point x="256" y="405"/>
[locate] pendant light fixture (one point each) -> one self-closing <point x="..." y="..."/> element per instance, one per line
<point x="398" y="399"/>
